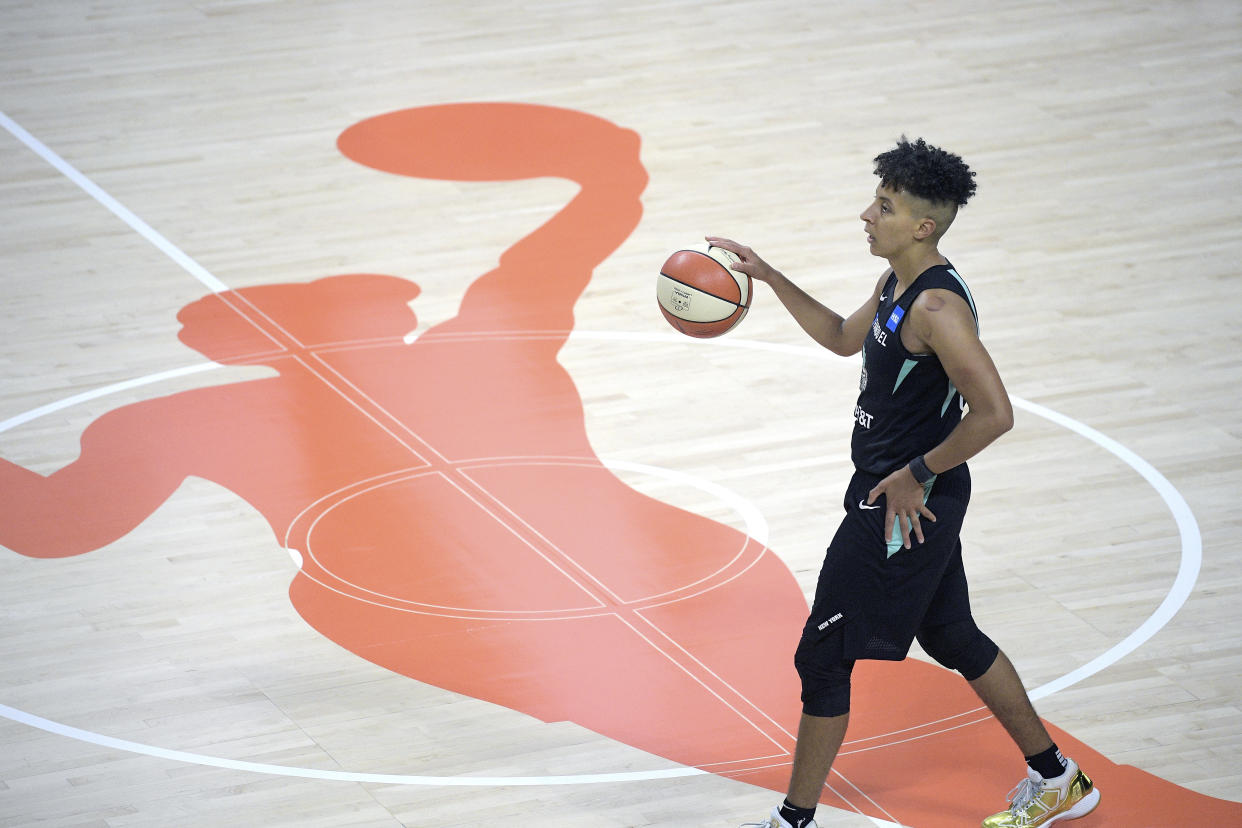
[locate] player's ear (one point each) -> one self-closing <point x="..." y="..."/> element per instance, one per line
<point x="925" y="229"/>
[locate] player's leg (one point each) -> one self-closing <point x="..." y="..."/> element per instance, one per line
<point x="950" y="636"/>
<point x="825" y="717"/>
<point x="819" y="739"/>
<point x="1055" y="789"/>
<point x="825" y="675"/>
<point x="824" y="671"/>
<point x="1001" y="689"/>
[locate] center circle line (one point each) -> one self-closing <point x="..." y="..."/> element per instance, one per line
<point x="1188" y="570"/>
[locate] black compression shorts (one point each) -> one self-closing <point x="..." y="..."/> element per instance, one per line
<point x="876" y="594"/>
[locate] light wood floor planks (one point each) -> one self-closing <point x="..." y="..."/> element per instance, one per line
<point x="1103" y="249"/>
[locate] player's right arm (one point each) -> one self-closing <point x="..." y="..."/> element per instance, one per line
<point x="842" y="335"/>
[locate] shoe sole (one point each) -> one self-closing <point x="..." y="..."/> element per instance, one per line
<point x="1081" y="808"/>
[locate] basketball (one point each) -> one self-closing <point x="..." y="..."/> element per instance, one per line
<point x="700" y="295"/>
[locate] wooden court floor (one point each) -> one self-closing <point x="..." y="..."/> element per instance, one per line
<point x="221" y="251"/>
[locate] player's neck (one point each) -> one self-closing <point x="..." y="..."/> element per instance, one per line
<point x="913" y="260"/>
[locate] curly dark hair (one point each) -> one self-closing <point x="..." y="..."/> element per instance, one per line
<point x="926" y="172"/>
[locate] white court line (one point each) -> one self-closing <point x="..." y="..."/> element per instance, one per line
<point x="27" y="416"/>
<point x="1187" y="570"/>
<point x="115" y="207"/>
<point x="1188" y="528"/>
<point x="1179" y="592"/>
<point x="191" y="267"/>
<point x="756" y="525"/>
<point x="1187" y="573"/>
<point x="335" y="775"/>
<point x="310" y="531"/>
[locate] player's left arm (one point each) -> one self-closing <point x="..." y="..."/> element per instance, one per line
<point x="942" y="323"/>
<point x="946" y="325"/>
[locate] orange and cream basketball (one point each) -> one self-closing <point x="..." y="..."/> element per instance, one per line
<point x="700" y="294"/>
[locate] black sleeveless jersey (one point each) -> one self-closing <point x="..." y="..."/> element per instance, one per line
<point x="906" y="405"/>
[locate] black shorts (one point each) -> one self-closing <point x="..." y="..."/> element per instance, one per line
<point x="871" y="601"/>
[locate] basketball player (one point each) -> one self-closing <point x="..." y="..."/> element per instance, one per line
<point x="893" y="572"/>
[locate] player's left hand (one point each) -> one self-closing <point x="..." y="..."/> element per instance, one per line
<point x="905" y="505"/>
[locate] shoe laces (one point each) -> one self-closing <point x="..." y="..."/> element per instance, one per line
<point x="1022" y="795"/>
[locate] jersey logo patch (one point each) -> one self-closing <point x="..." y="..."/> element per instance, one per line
<point x="895" y="319"/>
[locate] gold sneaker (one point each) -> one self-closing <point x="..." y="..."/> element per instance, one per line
<point x="775" y="820"/>
<point x="1039" y="801"/>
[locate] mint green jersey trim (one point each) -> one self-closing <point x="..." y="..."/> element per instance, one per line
<point x="948" y="399"/>
<point x="895" y="543"/>
<point x="906" y="368"/>
<point x="969" y="297"/>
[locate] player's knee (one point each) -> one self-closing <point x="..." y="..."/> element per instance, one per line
<point x="960" y="646"/>
<point x="825" y="686"/>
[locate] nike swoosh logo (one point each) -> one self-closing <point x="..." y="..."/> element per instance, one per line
<point x="862" y="504"/>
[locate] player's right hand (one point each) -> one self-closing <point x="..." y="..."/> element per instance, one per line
<point x="750" y="263"/>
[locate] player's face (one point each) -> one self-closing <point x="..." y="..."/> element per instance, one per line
<point x="888" y="222"/>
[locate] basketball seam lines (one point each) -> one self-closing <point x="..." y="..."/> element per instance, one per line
<point x="700" y="290"/>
